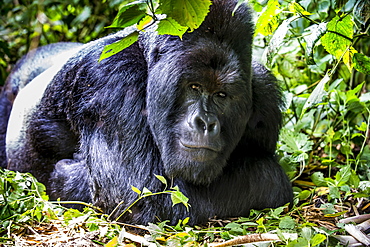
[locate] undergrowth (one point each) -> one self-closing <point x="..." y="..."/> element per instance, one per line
<point x="318" y="51"/>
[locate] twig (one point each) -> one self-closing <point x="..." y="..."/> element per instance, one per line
<point x="355" y="219"/>
<point x="357" y="234"/>
<point x="251" y="238"/>
<point x="135" y="238"/>
<point x="347" y="240"/>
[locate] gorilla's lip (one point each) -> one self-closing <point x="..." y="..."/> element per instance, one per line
<point x="199" y="146"/>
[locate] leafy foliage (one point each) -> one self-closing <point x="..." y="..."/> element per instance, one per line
<point x="171" y="17"/>
<point x="319" y="50"/>
<point x="26" y="24"/>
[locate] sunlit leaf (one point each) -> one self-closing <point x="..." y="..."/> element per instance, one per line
<point x="317" y="94"/>
<point x="178" y="197"/>
<point x="136" y="190"/>
<point x="317" y="239"/>
<point x="295" y="8"/>
<point x="147" y="20"/>
<point x="170" y="26"/>
<point x="188" y="13"/>
<point x="146" y="191"/>
<point x="338" y="40"/>
<point x="162" y="179"/>
<point x="268" y="21"/>
<point x="118" y="46"/>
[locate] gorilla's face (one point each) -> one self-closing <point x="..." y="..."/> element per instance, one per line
<point x="199" y="103"/>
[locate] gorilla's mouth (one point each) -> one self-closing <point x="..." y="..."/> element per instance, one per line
<point x="190" y="146"/>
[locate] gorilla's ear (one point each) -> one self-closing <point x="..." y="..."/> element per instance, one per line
<point x="263" y="127"/>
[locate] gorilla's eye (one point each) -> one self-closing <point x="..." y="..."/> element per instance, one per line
<point x="195" y="87"/>
<point x="221" y="94"/>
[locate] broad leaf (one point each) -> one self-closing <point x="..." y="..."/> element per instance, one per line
<point x="317" y="94"/>
<point x="338" y="40"/>
<point x="361" y="63"/>
<point x="162" y="179"/>
<point x="317" y="239"/>
<point x="112" y="49"/>
<point x="171" y="27"/>
<point x="268" y="20"/>
<point x="277" y="41"/>
<point x="188" y="13"/>
<point x="129" y="15"/>
<point x="178" y="197"/>
<point x="287" y="222"/>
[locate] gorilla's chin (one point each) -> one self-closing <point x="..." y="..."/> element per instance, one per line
<point x="199" y="166"/>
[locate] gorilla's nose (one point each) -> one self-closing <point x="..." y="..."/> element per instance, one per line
<point x="206" y="124"/>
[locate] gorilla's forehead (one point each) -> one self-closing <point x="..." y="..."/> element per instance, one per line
<point x="206" y="63"/>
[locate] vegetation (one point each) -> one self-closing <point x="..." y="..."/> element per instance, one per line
<point x="317" y="49"/>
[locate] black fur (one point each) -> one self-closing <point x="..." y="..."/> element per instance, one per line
<point x="26" y="69"/>
<point x="196" y="111"/>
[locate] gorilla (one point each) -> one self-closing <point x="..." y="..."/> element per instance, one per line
<point x="195" y="110"/>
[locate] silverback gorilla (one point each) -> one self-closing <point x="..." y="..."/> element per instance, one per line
<point x="197" y="111"/>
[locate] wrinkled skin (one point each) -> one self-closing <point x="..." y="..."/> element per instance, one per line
<point x="197" y="111"/>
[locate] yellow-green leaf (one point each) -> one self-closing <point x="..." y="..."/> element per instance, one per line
<point x="170" y="26"/>
<point x="188" y="13"/>
<point x="338" y="40"/>
<point x="112" y="49"/>
<point x="268" y="21"/>
<point x="136" y="190"/>
<point x="295" y="8"/>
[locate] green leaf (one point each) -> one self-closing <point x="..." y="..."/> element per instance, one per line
<point x="317" y="94"/>
<point x="343" y="175"/>
<point x="129" y="14"/>
<point x="337" y="41"/>
<point x="354" y="180"/>
<point x="333" y="192"/>
<point x="287" y="223"/>
<point x="277" y="41"/>
<point x="136" y="190"/>
<point x="363" y="127"/>
<point x="178" y="197"/>
<point x="318" y="179"/>
<point x="307" y="233"/>
<point x="146" y="191"/>
<point x="188" y="13"/>
<point x="276" y="212"/>
<point x="295" y="8"/>
<point x="305" y="194"/>
<point x="317" y="239"/>
<point x="268" y="20"/>
<point x="171" y="27"/>
<point x="112" y="49"/>
<point x="293" y="142"/>
<point x="361" y="63"/>
<point x="161" y="178"/>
